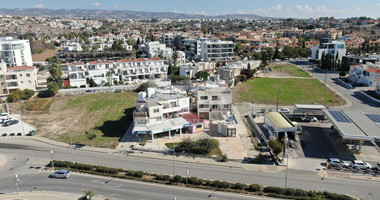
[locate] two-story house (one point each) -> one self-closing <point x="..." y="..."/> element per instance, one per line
<point x="213" y="102"/>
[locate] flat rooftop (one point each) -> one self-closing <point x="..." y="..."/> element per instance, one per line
<point x="310" y="106"/>
<point x="355" y="125"/>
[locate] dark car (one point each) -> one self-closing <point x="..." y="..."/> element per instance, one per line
<point x="62" y="173"/>
<point x="11" y="122"/>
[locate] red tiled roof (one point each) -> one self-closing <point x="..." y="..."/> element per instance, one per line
<point x="192" y="118"/>
<point x="21" y="68"/>
<point x="372" y="70"/>
<point x="139" y="60"/>
<point x="100" y="61"/>
<point x="78" y="63"/>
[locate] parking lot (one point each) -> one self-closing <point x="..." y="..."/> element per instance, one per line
<point x="19" y="129"/>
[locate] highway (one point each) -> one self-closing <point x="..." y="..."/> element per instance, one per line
<point x="28" y="156"/>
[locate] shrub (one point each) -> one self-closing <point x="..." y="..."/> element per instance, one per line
<point x="15" y="96"/>
<point x="82" y="166"/>
<point x="216" y="184"/>
<point x="334" y="196"/>
<point x="208" y="182"/>
<point x="177" y="179"/>
<point x="195" y="181"/>
<point x="239" y="186"/>
<point x="159" y="177"/>
<point x="224" y="158"/>
<point x="165" y="177"/>
<point x="225" y="184"/>
<point x="58" y="163"/>
<point x="131" y="173"/>
<point x="276" y="190"/>
<point x="276" y="146"/>
<point x="27" y="94"/>
<point x="254" y="188"/>
<point x="139" y="174"/>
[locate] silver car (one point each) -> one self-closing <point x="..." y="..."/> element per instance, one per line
<point x="336" y="162"/>
<point x="358" y="164"/>
<point x="62" y="173"/>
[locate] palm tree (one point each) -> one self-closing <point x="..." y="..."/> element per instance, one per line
<point x="110" y="74"/>
<point x="91" y="136"/>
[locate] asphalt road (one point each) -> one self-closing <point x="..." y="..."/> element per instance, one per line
<point x="32" y="155"/>
<point x="112" y="188"/>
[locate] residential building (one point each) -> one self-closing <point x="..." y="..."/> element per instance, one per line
<point x="142" y="68"/>
<point x="364" y="74"/>
<point x="155" y="49"/>
<point x="229" y="126"/>
<point x="162" y="113"/>
<point x="217" y="50"/>
<point x="214" y="101"/>
<point x="15" y="52"/>
<point x="19" y="77"/>
<point x="168" y="39"/>
<point x="80" y="73"/>
<point x="328" y="46"/>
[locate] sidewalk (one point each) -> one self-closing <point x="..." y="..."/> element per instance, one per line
<point x="44" y="195"/>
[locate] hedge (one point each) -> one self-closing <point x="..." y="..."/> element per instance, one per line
<point x="279" y="192"/>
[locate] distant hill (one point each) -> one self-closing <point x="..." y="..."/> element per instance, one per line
<point x="117" y="14"/>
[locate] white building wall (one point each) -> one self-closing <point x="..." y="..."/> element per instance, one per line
<point x="15" y="52"/>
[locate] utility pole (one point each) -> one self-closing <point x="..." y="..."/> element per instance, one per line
<point x="17" y="181"/>
<point x="51" y="157"/>
<point x="278" y="94"/>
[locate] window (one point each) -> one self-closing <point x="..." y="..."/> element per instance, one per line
<point x="22" y="82"/>
<point x="204" y="97"/>
<point x="27" y="75"/>
<point x="215" y="106"/>
<point x="20" y="75"/>
<point x="156" y="110"/>
<point x="226" y="106"/>
<point x="203" y="106"/>
<point x="184" y="110"/>
<point x="173" y="104"/>
<point x="29" y="82"/>
<point x="214" y="98"/>
<point x="141" y="121"/>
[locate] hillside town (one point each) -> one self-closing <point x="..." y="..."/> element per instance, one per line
<point x="242" y="93"/>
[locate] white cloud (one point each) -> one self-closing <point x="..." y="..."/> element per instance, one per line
<point x="95" y="4"/>
<point x="277" y="7"/>
<point x="305" y="9"/>
<point x="177" y="11"/>
<point x="114" y="6"/>
<point x="39" y="6"/>
<point x="199" y="12"/>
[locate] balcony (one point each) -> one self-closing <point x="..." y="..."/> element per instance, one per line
<point x="140" y="114"/>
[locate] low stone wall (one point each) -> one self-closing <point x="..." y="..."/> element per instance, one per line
<point x="111" y="89"/>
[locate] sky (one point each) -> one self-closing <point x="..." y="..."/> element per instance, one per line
<point x="267" y="8"/>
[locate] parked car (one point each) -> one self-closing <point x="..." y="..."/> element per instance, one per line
<point x="309" y="118"/>
<point x="360" y="164"/>
<point x="378" y="166"/>
<point x="4" y="117"/>
<point x="62" y="173"/>
<point x="336" y="162"/>
<point x="284" y="110"/>
<point x="31" y="133"/>
<point x="10" y="122"/>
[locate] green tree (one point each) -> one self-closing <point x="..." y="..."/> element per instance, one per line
<point x="110" y="74"/>
<point x="53" y="87"/>
<point x="202" y="75"/>
<point x="88" y="194"/>
<point x="27" y="94"/>
<point x="92" y="83"/>
<point x="146" y="85"/>
<point x="91" y="135"/>
<point x="56" y="71"/>
<point x="276" y="146"/>
<point x="175" y="57"/>
<point x="238" y="48"/>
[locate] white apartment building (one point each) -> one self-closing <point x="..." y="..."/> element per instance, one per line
<point x="79" y="73"/>
<point x="214" y="101"/>
<point x="155" y="49"/>
<point x="328" y="46"/>
<point x="168" y="39"/>
<point x="364" y="74"/>
<point x="15" y="52"/>
<point x="217" y="50"/>
<point x="19" y="77"/>
<point x="142" y="68"/>
<point x="162" y="113"/>
<point x="190" y="69"/>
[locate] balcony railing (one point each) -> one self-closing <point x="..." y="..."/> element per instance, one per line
<point x="140" y="114"/>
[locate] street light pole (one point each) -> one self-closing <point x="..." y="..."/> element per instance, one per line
<point x="71" y="144"/>
<point x="17" y="181"/>
<point x="173" y="155"/>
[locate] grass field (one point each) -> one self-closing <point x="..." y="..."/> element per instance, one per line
<point x="107" y="115"/>
<point x="291" y="91"/>
<point x="291" y="70"/>
<point x="110" y="114"/>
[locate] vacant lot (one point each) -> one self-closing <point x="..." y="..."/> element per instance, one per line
<point x="291" y="91"/>
<point x="291" y="70"/>
<point x="106" y="115"/>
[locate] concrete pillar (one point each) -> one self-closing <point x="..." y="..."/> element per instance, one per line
<point x="152" y="137"/>
<point x="360" y="146"/>
<point x="180" y="131"/>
